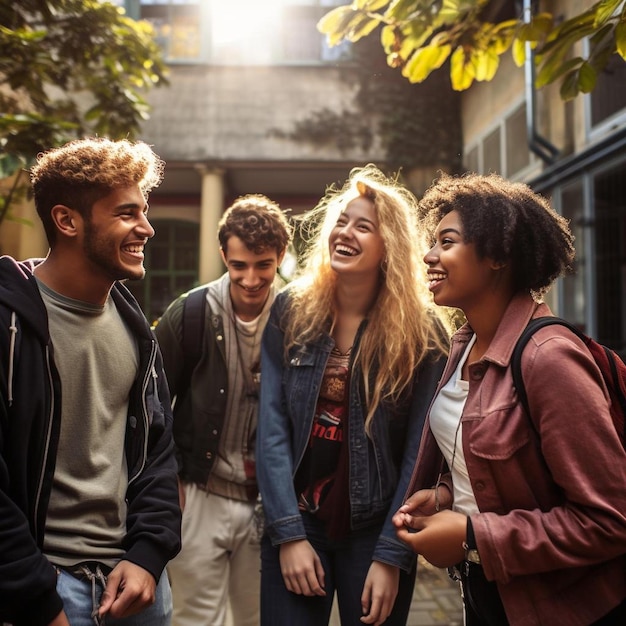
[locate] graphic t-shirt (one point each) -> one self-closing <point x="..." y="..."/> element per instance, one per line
<point x="316" y="476"/>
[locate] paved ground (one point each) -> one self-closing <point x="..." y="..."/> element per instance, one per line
<point x="436" y="601"/>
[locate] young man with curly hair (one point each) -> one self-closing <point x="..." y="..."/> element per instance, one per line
<point x="88" y="492"/>
<point x="215" y="419"/>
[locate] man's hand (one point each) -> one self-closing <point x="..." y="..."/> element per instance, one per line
<point x="379" y="593"/>
<point x="60" y="620"/>
<point x="129" y="590"/>
<point x="439" y="537"/>
<point x="301" y="568"/>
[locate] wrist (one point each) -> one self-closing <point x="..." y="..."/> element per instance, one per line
<point x="469" y="545"/>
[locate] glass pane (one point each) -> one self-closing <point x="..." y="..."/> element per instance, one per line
<point x="517" y="152"/>
<point x="187" y="233"/>
<point x="161" y="294"/>
<point x="471" y="160"/>
<point x="609" y="95"/>
<point x="610" y="270"/>
<point x="158" y="256"/>
<point x="184" y="283"/>
<point x="186" y="258"/>
<point x="491" y="153"/>
<point x="574" y="286"/>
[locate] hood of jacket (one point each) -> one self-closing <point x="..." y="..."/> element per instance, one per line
<point x="19" y="293"/>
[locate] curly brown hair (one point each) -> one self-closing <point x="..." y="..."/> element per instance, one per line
<point x="258" y="221"/>
<point x="84" y="171"/>
<point x="507" y="222"/>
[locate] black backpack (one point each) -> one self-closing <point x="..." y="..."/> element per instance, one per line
<point x="194" y="314"/>
<point x="611" y="366"/>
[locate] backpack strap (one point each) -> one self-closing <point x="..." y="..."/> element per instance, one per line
<point x="516" y="359"/>
<point x="194" y="313"/>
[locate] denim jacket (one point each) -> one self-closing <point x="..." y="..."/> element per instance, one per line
<point x="379" y="466"/>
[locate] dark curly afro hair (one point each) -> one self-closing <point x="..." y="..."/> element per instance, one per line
<point x="507" y="222"/>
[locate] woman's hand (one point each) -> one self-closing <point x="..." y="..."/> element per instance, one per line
<point x="423" y="502"/>
<point x="438" y="538"/>
<point x="379" y="592"/>
<point x="301" y="568"/>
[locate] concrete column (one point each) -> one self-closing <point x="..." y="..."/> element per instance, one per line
<point x="211" y="209"/>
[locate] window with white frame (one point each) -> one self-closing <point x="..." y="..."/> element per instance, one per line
<point x="503" y="149"/>
<point x="606" y="104"/>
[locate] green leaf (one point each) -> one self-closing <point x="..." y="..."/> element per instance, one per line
<point x="361" y="27"/>
<point x="388" y="37"/>
<point x="604" y="11"/>
<point x="424" y="61"/>
<point x="587" y="78"/>
<point x="537" y="29"/>
<point x="551" y="72"/>
<point x="334" y="24"/>
<point x="370" y="5"/>
<point x="485" y="64"/>
<point x="599" y="35"/>
<point x="461" y="70"/>
<point x="400" y="9"/>
<point x="569" y="86"/>
<point x="519" y="52"/>
<point x="620" y="38"/>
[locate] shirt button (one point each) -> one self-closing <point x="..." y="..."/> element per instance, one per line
<point x="209" y="455"/>
<point x="219" y="337"/>
<point x="480" y="485"/>
<point x="222" y="391"/>
<point x="478" y="373"/>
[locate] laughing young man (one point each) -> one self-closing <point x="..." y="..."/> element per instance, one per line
<point x="215" y="419"/>
<point x="89" y="512"/>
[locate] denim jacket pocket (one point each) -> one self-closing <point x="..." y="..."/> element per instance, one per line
<point x="299" y="378"/>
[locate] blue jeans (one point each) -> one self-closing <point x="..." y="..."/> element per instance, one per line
<point x="78" y="603"/>
<point x="345" y="563"/>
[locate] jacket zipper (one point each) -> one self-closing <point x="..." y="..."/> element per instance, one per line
<point x="46" y="449"/>
<point x="150" y="371"/>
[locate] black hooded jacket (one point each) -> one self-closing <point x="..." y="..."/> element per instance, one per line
<point x="30" y="414"/>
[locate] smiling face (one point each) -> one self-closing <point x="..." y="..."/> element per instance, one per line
<point x="251" y="276"/>
<point x="457" y="277"/>
<point x="115" y="233"/>
<point x="355" y="243"/>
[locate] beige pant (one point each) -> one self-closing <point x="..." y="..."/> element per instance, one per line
<point x="219" y="562"/>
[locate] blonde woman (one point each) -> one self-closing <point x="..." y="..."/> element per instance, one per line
<point x="350" y="358"/>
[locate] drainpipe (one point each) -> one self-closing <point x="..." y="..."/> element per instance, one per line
<point x="540" y="146"/>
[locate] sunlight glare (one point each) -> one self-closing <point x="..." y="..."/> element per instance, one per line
<point x="246" y="26"/>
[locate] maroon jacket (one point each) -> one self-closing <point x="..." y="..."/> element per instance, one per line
<point x="552" y="524"/>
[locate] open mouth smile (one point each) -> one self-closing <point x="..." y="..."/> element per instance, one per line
<point x="344" y="250"/>
<point x="434" y="278"/>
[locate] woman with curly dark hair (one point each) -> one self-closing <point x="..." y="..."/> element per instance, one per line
<point x="530" y="510"/>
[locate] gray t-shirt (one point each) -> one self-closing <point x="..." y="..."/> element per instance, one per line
<point x="97" y="359"/>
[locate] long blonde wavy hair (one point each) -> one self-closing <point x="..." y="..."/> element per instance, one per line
<point x="403" y="324"/>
